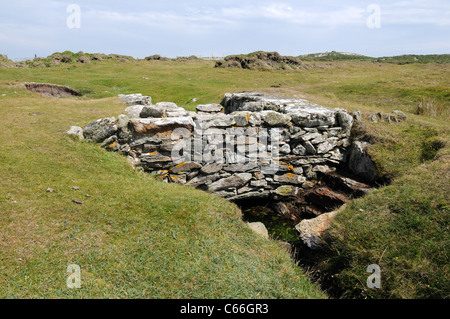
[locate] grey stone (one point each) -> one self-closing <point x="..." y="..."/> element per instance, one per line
<point x="290" y="178"/>
<point x="373" y="118"/>
<point x="155" y="124"/>
<point x="242" y="118"/>
<point x="259" y="183"/>
<point x="272" y="118"/>
<point x="241" y="167"/>
<point x="345" y="121"/>
<point x="311" y="230"/>
<point x="212" y="168"/>
<point x="259" y="228"/>
<point x="310" y="149"/>
<point x="134" y="111"/>
<point x="299" y="150"/>
<point x="286" y="191"/>
<point x="152" y="111"/>
<point x="209" y="108"/>
<point x="100" y="130"/>
<point x="310" y="136"/>
<point x="326" y="146"/>
<point x="76" y="131"/>
<point x="357" y="115"/>
<point x="203" y="179"/>
<point x="225" y="183"/>
<point x="360" y="162"/>
<point x="185" y="167"/>
<point x="261" y="194"/>
<point x="245" y="176"/>
<point x="285" y="149"/>
<point x="219" y="120"/>
<point x="136" y="99"/>
<point x="122" y="121"/>
<point x="400" y="114"/>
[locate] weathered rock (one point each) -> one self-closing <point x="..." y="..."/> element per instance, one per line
<point x="290" y="178"/>
<point x="360" y="162"/>
<point x="152" y="125"/>
<point x="400" y="114"/>
<point x="122" y="121"/>
<point x="203" y="179"/>
<point x="326" y="198"/>
<point x="234" y="181"/>
<point x="326" y="146"/>
<point x="346" y="184"/>
<point x="241" y="167"/>
<point x="310" y="149"/>
<point x="242" y="118"/>
<point x="345" y="120"/>
<point x="185" y="167"/>
<point x="311" y="230"/>
<point x="212" y="168"/>
<point x="272" y="118"/>
<point x="357" y="115"/>
<point x="299" y="150"/>
<point x="210" y="108"/>
<point x="136" y="99"/>
<point x="100" y="130"/>
<point x="76" y="131"/>
<point x="219" y="120"/>
<point x="260" y="194"/>
<point x="259" y="228"/>
<point x="152" y="111"/>
<point x="134" y="111"/>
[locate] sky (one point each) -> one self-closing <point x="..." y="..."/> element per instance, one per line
<point x="218" y="28"/>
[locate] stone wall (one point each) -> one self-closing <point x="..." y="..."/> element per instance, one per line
<point x="249" y="146"/>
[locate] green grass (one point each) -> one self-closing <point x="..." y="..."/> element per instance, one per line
<point x="137" y="237"/>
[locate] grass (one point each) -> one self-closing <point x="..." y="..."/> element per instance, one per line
<point x="135" y="237"/>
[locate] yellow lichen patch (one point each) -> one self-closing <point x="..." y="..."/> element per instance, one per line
<point x="248" y="116"/>
<point x="290" y="175"/>
<point x="113" y="144"/>
<point x="289" y="167"/>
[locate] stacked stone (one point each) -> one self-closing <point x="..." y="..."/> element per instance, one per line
<point x="222" y="146"/>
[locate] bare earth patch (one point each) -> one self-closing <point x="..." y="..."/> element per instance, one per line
<point x="51" y="90"/>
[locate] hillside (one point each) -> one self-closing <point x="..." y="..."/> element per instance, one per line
<point x="136" y="237"/>
<point x="334" y="56"/>
<point x="400" y="59"/>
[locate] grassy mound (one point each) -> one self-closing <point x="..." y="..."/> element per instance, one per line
<point x="261" y="60"/>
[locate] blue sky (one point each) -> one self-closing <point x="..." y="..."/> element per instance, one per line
<point x="205" y="28"/>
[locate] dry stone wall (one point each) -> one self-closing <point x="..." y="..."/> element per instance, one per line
<point x="249" y="146"/>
